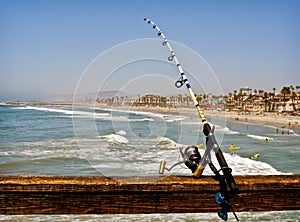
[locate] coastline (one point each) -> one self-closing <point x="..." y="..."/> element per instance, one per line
<point x="272" y="119"/>
<point x="277" y="120"/>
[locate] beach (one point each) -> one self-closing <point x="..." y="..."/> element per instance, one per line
<point x="277" y="120"/>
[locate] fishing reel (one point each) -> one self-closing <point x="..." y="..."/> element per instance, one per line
<point x="191" y="158"/>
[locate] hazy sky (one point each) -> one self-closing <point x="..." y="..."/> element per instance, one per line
<point x="46" y="45"/>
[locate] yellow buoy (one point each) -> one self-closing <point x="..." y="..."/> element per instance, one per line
<point x="255" y="156"/>
<point x="200" y="145"/>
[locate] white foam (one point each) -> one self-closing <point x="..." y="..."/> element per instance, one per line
<point x="84" y="114"/>
<point x="174" y="120"/>
<point x="243" y="166"/>
<point x="246" y="166"/>
<point x="44" y="149"/>
<point x="165" y="141"/>
<point x="121" y="132"/>
<point x="141" y="120"/>
<point x="239" y="165"/>
<point x="226" y="130"/>
<point x="115" y="138"/>
<point x="134" y="112"/>
<point x="45" y="109"/>
<point x="96" y="151"/>
<point x="264" y="138"/>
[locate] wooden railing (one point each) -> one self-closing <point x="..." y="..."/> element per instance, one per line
<point x="172" y="194"/>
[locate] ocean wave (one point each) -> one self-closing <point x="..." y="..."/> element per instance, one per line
<point x="121" y="132"/>
<point x="141" y="120"/>
<point x="85" y="114"/>
<point x="143" y="113"/>
<point x="282" y="130"/>
<point x="46" y="148"/>
<point x="246" y="166"/>
<point x="226" y="130"/>
<point x="174" y="118"/>
<point x="67" y="112"/>
<point x="263" y="138"/>
<point x="148" y="150"/>
<point x="114" y="138"/>
<point x="240" y="166"/>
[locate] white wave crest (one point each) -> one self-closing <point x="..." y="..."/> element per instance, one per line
<point x="121" y="132"/>
<point x="264" y="138"/>
<point x="141" y="120"/>
<point x="114" y="138"/>
<point x="226" y="130"/>
<point x="245" y="166"/>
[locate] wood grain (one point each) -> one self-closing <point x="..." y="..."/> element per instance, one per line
<point x="133" y="195"/>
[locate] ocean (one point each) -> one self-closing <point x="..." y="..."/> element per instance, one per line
<point x="82" y="140"/>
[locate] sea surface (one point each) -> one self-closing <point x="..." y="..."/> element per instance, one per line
<point x="81" y="140"/>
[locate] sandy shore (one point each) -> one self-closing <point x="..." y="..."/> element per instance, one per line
<point x="280" y="121"/>
<point x="272" y="119"/>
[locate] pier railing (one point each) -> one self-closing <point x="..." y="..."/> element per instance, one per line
<point x="133" y="195"/>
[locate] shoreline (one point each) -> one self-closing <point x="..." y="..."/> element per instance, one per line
<point x="280" y="121"/>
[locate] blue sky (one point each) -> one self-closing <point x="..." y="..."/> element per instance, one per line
<point x="46" y="45"/>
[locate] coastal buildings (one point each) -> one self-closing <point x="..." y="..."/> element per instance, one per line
<point x="287" y="100"/>
<point x="253" y="100"/>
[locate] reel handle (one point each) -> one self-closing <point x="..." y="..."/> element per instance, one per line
<point x="162" y="166"/>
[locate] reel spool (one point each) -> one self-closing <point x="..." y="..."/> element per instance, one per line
<point x="191" y="158"/>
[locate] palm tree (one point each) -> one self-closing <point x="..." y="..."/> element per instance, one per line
<point x="286" y="90"/>
<point x="235" y="98"/>
<point x="260" y="91"/>
<point x="292" y="88"/>
<point x="164" y="100"/>
<point x="229" y="102"/>
<point x="198" y="98"/>
<point x="272" y="100"/>
<point x="180" y="99"/>
<point x="267" y="101"/>
<point x="293" y="97"/>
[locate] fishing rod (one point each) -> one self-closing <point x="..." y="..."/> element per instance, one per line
<point x="190" y="155"/>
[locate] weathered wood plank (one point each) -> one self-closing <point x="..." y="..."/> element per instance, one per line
<point x="173" y="194"/>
